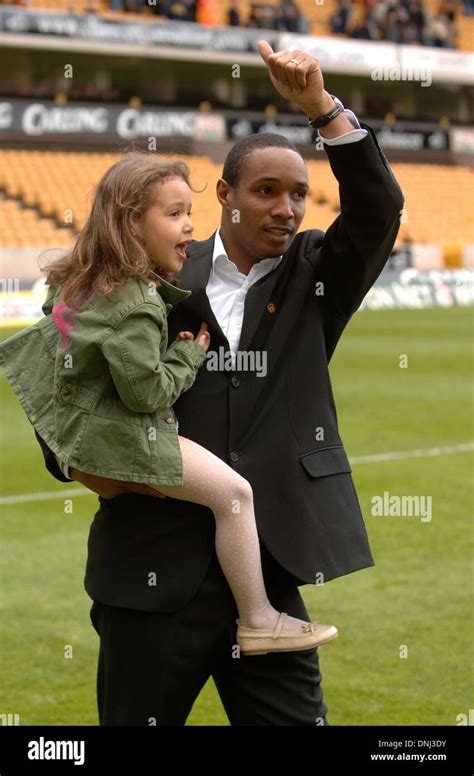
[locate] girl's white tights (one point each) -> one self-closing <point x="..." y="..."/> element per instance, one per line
<point x="209" y="481"/>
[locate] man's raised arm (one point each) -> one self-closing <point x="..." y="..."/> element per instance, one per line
<point x="359" y="242"/>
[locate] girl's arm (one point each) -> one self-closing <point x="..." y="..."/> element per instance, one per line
<point x="145" y="380"/>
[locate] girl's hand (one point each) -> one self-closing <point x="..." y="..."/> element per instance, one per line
<point x="203" y="338"/>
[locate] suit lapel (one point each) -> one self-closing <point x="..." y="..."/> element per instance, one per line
<point x="195" y="277"/>
<point x="256" y="300"/>
<point x="264" y="326"/>
<point x="276" y="322"/>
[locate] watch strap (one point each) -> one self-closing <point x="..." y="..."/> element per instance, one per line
<point x="321" y="121"/>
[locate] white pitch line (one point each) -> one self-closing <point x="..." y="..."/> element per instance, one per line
<point x="431" y="451"/>
<point x="24" y="497"/>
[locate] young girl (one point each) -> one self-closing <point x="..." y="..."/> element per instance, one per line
<point x="112" y="381"/>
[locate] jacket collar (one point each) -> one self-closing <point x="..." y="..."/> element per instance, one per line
<point x="170" y="293"/>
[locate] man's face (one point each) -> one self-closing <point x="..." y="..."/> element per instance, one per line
<point x="267" y="206"/>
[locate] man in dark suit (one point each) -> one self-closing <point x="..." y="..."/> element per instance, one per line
<point x="162" y="607"/>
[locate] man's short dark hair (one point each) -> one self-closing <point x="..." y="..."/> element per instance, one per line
<point x="246" y="146"/>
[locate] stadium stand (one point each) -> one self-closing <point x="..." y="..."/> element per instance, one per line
<point x="24" y="227"/>
<point x="47" y="197"/>
<point x="442" y="23"/>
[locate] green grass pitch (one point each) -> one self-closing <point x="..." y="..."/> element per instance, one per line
<point x="403" y="656"/>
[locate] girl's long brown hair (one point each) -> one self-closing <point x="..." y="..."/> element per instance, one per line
<point x="106" y="251"/>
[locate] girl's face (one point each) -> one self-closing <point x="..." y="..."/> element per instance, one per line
<point x="166" y="228"/>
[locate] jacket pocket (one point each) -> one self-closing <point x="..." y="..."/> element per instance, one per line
<point x="79" y="395"/>
<point x="326" y="461"/>
<point x="72" y="408"/>
<point x="109" y="447"/>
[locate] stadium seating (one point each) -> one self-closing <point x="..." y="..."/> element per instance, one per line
<point x="464" y="24"/>
<point x="318" y="15"/>
<point x="24" y="228"/>
<point x="45" y="189"/>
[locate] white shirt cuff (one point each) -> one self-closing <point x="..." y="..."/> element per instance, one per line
<point x="348" y="137"/>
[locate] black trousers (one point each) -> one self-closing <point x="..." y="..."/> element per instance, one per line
<point x="152" y="666"/>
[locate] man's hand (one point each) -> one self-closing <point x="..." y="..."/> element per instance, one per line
<point x="303" y="84"/>
<point x="112" y="488"/>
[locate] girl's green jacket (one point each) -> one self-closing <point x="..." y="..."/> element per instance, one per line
<point x="98" y="385"/>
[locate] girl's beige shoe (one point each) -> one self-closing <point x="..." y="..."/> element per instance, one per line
<point x="259" y="641"/>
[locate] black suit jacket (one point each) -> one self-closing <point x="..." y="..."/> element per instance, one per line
<point x="307" y="510"/>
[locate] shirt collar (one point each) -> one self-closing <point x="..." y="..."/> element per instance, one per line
<point x="219" y="250"/>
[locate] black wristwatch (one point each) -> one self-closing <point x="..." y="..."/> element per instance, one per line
<point x="321" y="121"/>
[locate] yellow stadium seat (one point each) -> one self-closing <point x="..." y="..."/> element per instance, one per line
<point x="437" y="208"/>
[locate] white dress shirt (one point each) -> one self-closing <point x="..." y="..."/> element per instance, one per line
<point x="227" y="289"/>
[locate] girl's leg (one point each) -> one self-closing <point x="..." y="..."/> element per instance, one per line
<point x="209" y="481"/>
